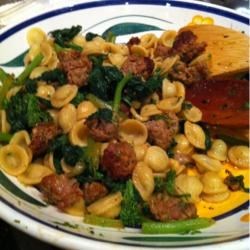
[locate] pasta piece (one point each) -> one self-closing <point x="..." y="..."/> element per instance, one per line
<point x="143" y="180"/>
<point x="34" y="174"/>
<point x="180" y="89"/>
<point x="63" y="95"/>
<point x="14" y="159"/>
<point x="137" y="116"/>
<point x="168" y="63"/>
<point x="12" y="92"/>
<point x="176" y="166"/>
<point x="45" y="91"/>
<point x="205" y="163"/>
<point x="33" y="52"/>
<point x="133" y="131"/>
<point x="214" y="190"/>
<point x="173" y="104"/>
<point x="4" y="126"/>
<point x="218" y="150"/>
<point x="96" y="46"/>
<point x="156" y="158"/>
<point x="78" y="135"/>
<point x="216" y="198"/>
<point x="77" y="209"/>
<point x="116" y="48"/>
<point x="168" y="89"/>
<point x="113" y="212"/>
<point x="189" y="185"/>
<point x="182" y="145"/>
<point x="116" y="59"/>
<point x="213" y="183"/>
<point x="195" y="134"/>
<point x="38" y="71"/>
<point x="103" y="206"/>
<point x="67" y="117"/>
<point x="239" y="156"/>
<point x="148" y="41"/>
<point x="35" y="36"/>
<point x="53" y="62"/>
<point x="49" y="161"/>
<point x="79" y="40"/>
<point x="22" y="139"/>
<point x="47" y="52"/>
<point x="150" y="110"/>
<point x="54" y="115"/>
<point x="167" y="38"/>
<point x="85" y="109"/>
<point x="138" y="50"/>
<point x="193" y="114"/>
<point x="140" y="151"/>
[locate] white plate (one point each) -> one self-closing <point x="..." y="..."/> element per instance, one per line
<point x="23" y="207"/>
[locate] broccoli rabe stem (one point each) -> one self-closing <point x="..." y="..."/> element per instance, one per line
<point x="172" y="227"/>
<point x="28" y="69"/>
<point x="118" y="93"/>
<point x="6" y="81"/>
<point x="98" y="102"/>
<point x="5" y="137"/>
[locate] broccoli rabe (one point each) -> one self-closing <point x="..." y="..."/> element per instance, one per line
<point x="130" y="214"/>
<point x="24" y="112"/>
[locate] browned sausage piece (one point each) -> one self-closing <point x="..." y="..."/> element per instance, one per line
<point x="76" y="65"/>
<point x="187" y="47"/>
<point x="162" y="51"/>
<point x="59" y="190"/>
<point x="119" y="160"/>
<point x="189" y="74"/>
<point x="41" y="134"/>
<point x="164" y="208"/>
<point x="133" y="41"/>
<point x="138" y="65"/>
<point x="162" y="131"/>
<point x="101" y="130"/>
<point x="94" y="191"/>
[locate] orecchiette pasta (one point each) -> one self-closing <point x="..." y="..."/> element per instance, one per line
<point x="35" y="36"/>
<point x="205" y="163"/>
<point x="138" y="116"/>
<point x="104" y="206"/>
<point x="150" y="110"/>
<point x="167" y="38"/>
<point x="189" y="185"/>
<point x="14" y="159"/>
<point x="34" y="174"/>
<point x="139" y="50"/>
<point x="214" y="190"/>
<point x="45" y="91"/>
<point x="218" y="150"/>
<point x="239" y="156"/>
<point x="173" y="104"/>
<point x="195" y="134"/>
<point x="168" y="89"/>
<point x="193" y="114"/>
<point x="156" y="158"/>
<point x="67" y="117"/>
<point x="148" y="41"/>
<point x="85" y="109"/>
<point x="78" y="135"/>
<point x="77" y="209"/>
<point x="133" y="131"/>
<point x="63" y="95"/>
<point x="176" y="166"/>
<point x="182" y="145"/>
<point x="140" y="151"/>
<point x="143" y="180"/>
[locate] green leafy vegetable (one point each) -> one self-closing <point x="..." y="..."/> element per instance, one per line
<point x="235" y="183"/>
<point x="80" y="96"/>
<point x="64" y="36"/>
<point x="170" y="182"/>
<point x="54" y="76"/>
<point x="5" y="137"/>
<point x="102" y="114"/>
<point x="178" y="227"/>
<point x="24" y="112"/>
<point x="187" y="105"/>
<point x="90" y="36"/>
<point x="6" y="81"/>
<point x="130" y="214"/>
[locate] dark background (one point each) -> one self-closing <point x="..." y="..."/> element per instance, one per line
<point x="11" y="238"/>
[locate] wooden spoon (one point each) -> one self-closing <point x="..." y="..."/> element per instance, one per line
<point x="229" y="49"/>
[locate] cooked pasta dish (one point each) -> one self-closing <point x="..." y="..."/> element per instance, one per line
<point x="124" y="134"/>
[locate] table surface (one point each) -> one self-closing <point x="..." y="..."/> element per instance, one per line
<point x="11" y="238"/>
